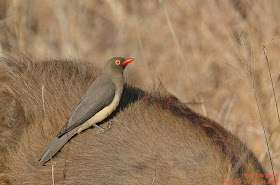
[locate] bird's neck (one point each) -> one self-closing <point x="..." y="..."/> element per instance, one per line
<point x="116" y="77"/>
<point x="118" y="81"/>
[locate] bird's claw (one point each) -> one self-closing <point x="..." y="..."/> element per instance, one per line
<point x="101" y="129"/>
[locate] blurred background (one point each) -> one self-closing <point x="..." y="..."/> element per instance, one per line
<point x="207" y="53"/>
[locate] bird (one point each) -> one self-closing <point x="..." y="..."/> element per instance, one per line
<point x="98" y="102"/>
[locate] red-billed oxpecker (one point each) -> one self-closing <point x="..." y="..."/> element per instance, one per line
<point x="99" y="101"/>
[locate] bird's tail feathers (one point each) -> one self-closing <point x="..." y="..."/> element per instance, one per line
<point x="55" y="146"/>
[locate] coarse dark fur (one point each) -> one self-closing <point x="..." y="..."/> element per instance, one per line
<point x="154" y="138"/>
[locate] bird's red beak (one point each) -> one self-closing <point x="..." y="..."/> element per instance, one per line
<point x="127" y="61"/>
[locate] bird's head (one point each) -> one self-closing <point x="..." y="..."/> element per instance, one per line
<point x="116" y="65"/>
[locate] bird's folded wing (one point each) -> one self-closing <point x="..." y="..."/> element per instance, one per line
<point x="99" y="95"/>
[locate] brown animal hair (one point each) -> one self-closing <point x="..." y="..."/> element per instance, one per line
<point x="154" y="138"/>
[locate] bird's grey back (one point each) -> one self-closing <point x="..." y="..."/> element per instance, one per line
<point x="99" y="95"/>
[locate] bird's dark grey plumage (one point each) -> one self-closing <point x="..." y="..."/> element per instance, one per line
<point x="99" y="101"/>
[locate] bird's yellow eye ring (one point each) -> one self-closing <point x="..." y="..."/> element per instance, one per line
<point x="117" y="62"/>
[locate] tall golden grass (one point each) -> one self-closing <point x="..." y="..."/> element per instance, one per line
<point x="208" y="53"/>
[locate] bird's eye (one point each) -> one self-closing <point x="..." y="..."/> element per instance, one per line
<point x="117" y="62"/>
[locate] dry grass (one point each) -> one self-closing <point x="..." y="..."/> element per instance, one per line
<point x="203" y="51"/>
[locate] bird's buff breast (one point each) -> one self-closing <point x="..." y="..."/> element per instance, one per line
<point x="102" y="114"/>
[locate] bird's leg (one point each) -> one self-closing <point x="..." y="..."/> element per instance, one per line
<point x="101" y="129"/>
